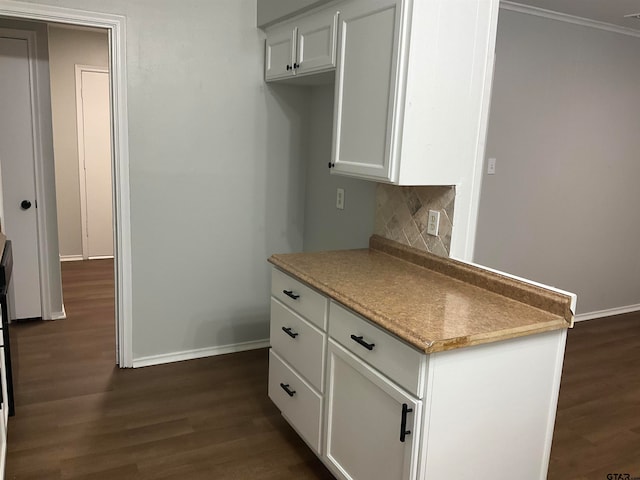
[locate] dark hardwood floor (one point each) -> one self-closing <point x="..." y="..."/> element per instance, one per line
<point x="598" y="422"/>
<point x="80" y="417"/>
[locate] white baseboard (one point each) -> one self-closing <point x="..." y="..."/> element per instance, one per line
<point x="70" y="258"/>
<point x="58" y="315"/>
<point x="607" y="313"/>
<point x="76" y="258"/>
<point x="198" y="353"/>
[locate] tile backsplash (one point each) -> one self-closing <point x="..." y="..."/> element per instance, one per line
<point x="402" y="213"/>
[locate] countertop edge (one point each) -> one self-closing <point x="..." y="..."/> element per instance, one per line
<point x="444" y="266"/>
<point x="533" y="295"/>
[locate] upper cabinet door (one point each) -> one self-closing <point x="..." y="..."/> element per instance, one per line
<point x="316" y="46"/>
<point x="365" y="94"/>
<point x="280" y="53"/>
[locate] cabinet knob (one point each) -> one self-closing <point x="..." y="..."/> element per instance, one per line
<point x="25" y="205"/>
<point x="403" y="422"/>
<point x="296" y="65"/>
<point x="289" y="67"/>
<point x="331" y="165"/>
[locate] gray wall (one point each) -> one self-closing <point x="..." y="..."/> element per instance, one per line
<point x="270" y="11"/>
<point x="67" y="48"/>
<point x="214" y="186"/>
<point x="562" y="207"/>
<point x="325" y="227"/>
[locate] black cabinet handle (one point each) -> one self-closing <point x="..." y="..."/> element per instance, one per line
<point x="25" y="205"/>
<point x="296" y="65"/>
<point x="288" y="331"/>
<point x="291" y="393"/>
<point x="403" y="422"/>
<point x="331" y="165"/>
<point x="290" y="294"/>
<point x="368" y="346"/>
<point x="289" y="67"/>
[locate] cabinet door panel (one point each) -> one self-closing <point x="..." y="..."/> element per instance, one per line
<point x="302" y="407"/>
<point x="299" y="343"/>
<point x="279" y="53"/>
<point x="364" y="413"/>
<point x="316" y="49"/>
<point x="366" y="89"/>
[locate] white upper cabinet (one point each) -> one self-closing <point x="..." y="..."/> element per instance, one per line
<point x="366" y="88"/>
<point x="316" y="42"/>
<point x="279" y="53"/>
<point x="305" y="46"/>
<point x="413" y="80"/>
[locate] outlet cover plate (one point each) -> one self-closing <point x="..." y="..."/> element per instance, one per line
<point x="433" y="223"/>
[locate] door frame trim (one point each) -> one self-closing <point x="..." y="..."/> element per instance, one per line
<point x="82" y="174"/>
<point x="116" y="26"/>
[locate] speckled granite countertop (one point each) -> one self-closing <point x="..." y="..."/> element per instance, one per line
<point x="432" y="303"/>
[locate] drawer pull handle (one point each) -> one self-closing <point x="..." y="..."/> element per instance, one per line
<point x="368" y="346"/>
<point x="290" y="294"/>
<point x="288" y="331"/>
<point x="403" y="423"/>
<point x="291" y="393"/>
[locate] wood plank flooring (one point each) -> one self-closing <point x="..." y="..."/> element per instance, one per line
<point x="598" y="422"/>
<point x="80" y="417"/>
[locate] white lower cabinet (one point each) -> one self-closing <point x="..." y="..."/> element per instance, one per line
<point x="297" y="358"/>
<point x="296" y="399"/>
<point x="356" y="404"/>
<point x="374" y="408"/>
<point x="298" y="343"/>
<point x="372" y="426"/>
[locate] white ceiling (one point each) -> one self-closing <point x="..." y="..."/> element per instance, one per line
<point x="607" y="11"/>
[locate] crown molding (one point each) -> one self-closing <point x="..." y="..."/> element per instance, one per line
<point x="564" y="17"/>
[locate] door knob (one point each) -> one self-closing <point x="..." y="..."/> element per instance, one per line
<point x="25" y="204"/>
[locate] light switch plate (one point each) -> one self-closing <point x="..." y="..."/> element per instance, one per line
<point x="433" y="223"/>
<point x="491" y="166"/>
<point x="340" y="199"/>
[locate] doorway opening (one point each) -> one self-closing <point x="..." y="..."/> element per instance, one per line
<point x="49" y="254"/>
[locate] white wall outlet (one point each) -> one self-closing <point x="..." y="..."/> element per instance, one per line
<point x="340" y="199"/>
<point x="433" y="223"/>
<point x="491" y="166"/>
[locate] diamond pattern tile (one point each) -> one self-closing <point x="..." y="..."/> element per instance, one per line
<point x="401" y="215"/>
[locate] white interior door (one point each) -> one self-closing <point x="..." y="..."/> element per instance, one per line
<point x="94" y="149"/>
<point x="18" y="173"/>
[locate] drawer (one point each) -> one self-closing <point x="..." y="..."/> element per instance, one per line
<point x="302" y="299"/>
<point x="298" y="342"/>
<point x="303" y="408"/>
<point x="391" y="356"/>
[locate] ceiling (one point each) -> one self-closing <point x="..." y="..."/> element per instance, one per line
<point x="607" y="11"/>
